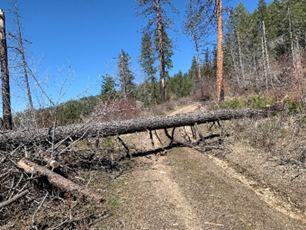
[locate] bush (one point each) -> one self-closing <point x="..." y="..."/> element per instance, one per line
<point x="114" y="110"/>
<point x="236" y="103"/>
<point x="259" y="102"/>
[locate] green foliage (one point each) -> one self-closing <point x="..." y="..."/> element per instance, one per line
<point x="147" y="59"/>
<point x="179" y="85"/>
<point x="168" y="51"/>
<point x="259" y="102"/>
<point x="108" y="142"/>
<point x="253" y="102"/>
<point x="67" y="113"/>
<point x="236" y="103"/>
<point x="125" y="74"/>
<point x="293" y="107"/>
<point x="108" y="86"/>
<point x="148" y="93"/>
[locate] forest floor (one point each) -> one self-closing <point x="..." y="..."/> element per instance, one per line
<point x="182" y="188"/>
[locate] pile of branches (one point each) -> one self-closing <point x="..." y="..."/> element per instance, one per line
<point x="38" y="192"/>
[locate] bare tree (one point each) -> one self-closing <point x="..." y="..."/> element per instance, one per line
<point x="20" y="49"/>
<point x="220" y="56"/>
<point x="6" y="96"/>
<point x="193" y="27"/>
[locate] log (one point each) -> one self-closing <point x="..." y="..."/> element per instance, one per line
<point x="82" y="131"/>
<point x="58" y="181"/>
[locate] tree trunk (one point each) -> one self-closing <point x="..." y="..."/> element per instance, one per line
<point x="59" y="181"/>
<point x="24" y="65"/>
<point x="235" y="67"/>
<point x="264" y="63"/>
<point x="9" y="140"/>
<point x="199" y="66"/>
<point x="240" y="59"/>
<point x="267" y="61"/>
<point x="161" y="52"/>
<point x="219" y="71"/>
<point x="6" y="96"/>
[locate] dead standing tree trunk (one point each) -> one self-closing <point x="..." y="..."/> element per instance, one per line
<point x="24" y="64"/>
<point x="82" y="131"/>
<point x="6" y="96"/>
<point x="219" y="51"/>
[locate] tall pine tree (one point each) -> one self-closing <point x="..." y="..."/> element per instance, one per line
<point x="126" y="76"/>
<point x="147" y="60"/>
<point x="155" y="10"/>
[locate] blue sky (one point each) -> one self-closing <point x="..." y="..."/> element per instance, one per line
<point x="86" y="35"/>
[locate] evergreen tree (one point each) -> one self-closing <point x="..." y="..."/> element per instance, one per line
<point x="125" y="74"/>
<point x="168" y="52"/>
<point x="147" y="60"/>
<point x="262" y="11"/>
<point x="108" y="90"/>
<point x="193" y="75"/>
<point x="155" y="10"/>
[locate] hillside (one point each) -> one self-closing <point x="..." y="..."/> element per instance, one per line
<point x="240" y="179"/>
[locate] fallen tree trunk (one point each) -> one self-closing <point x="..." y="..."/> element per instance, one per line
<point x="58" y="181"/>
<point x="82" y="131"/>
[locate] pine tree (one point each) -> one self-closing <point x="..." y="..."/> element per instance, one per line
<point x="147" y="60"/>
<point x="125" y="74"/>
<point x="193" y="74"/>
<point x="156" y="12"/>
<point x="168" y="52"/>
<point x="108" y="86"/>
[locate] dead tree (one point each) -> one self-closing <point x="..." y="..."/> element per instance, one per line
<point x="21" y="51"/>
<point x="59" y="181"/>
<point x="220" y="55"/>
<point x="193" y="27"/>
<point x="81" y="131"/>
<point x="6" y="96"/>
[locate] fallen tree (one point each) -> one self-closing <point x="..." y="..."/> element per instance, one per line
<point x="81" y="131"/>
<point x="59" y="181"/>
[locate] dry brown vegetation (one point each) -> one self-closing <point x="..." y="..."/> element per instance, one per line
<point x="247" y="174"/>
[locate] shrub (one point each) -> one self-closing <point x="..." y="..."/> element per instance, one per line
<point x="259" y="102"/>
<point x="236" y="103"/>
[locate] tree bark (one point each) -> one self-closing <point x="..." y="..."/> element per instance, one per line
<point x="81" y="131"/>
<point x="24" y="65"/>
<point x="59" y="181"/>
<point x="240" y="59"/>
<point x="6" y="97"/>
<point x="264" y="63"/>
<point x="220" y="58"/>
<point x="199" y="66"/>
<point x="161" y="51"/>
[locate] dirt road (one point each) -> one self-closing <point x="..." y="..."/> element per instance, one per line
<point x="189" y="190"/>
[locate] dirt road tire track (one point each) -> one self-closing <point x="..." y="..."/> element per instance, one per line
<point x="187" y="190"/>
